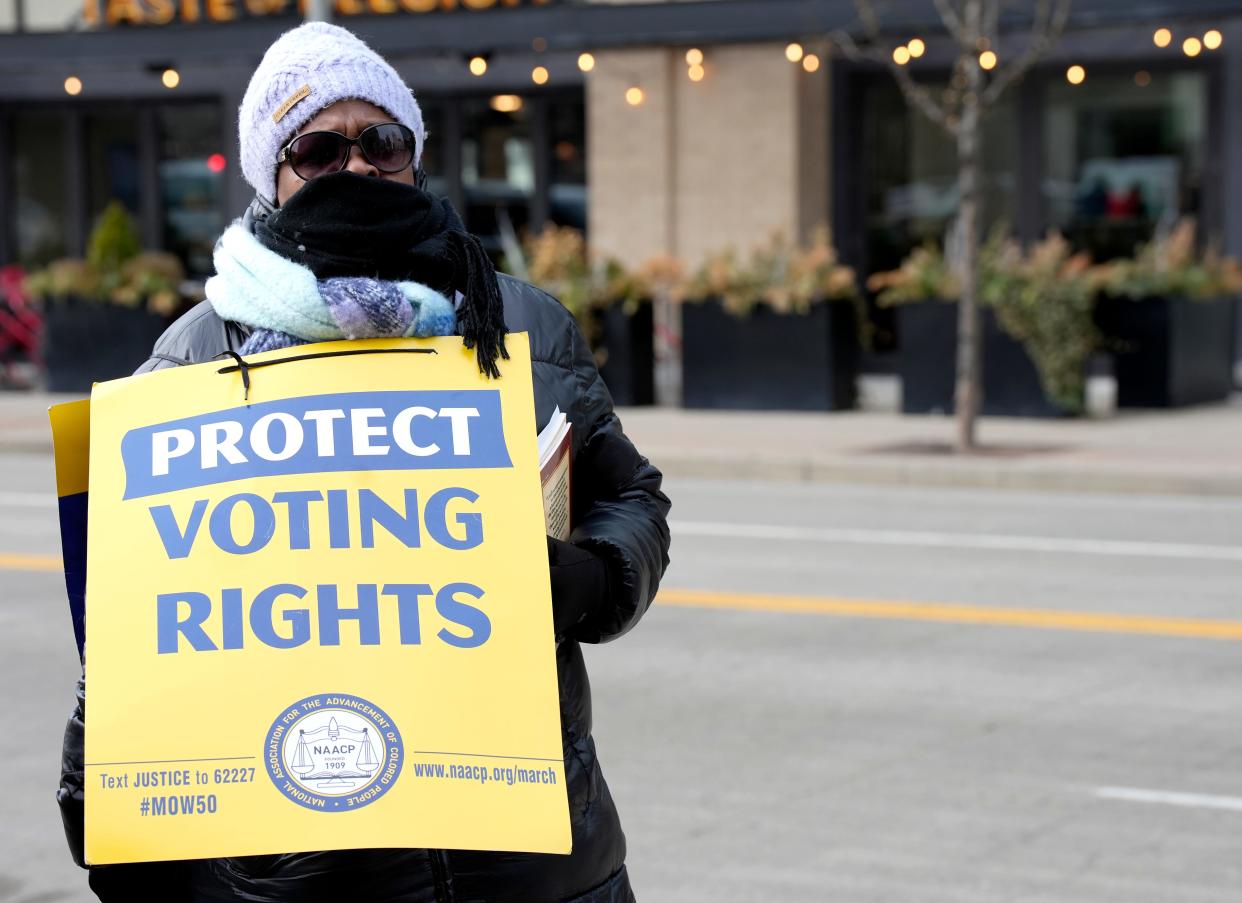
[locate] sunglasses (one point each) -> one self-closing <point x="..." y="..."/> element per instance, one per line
<point x="388" y="146"/>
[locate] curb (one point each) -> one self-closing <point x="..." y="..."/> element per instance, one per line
<point x="942" y="474"/>
<point x="886" y="471"/>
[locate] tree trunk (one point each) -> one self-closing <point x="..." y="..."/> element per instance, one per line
<point x="317" y="10"/>
<point x="969" y="390"/>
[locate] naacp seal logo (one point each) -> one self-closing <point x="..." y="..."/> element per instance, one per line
<point x="333" y="752"/>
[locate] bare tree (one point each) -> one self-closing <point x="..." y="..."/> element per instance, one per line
<point x="977" y="83"/>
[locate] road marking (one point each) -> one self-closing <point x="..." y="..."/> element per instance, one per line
<point x="9" y="562"/>
<point x="28" y="499"/>
<point x="960" y="541"/>
<point x="1091" y="622"/>
<point x="1170" y="798"/>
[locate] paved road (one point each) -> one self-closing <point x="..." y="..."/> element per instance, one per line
<point x="824" y="707"/>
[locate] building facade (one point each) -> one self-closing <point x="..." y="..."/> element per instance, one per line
<point x="688" y="127"/>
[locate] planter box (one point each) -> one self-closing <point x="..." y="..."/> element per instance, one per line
<point x="1169" y="352"/>
<point x="87" y="342"/>
<point x="1237" y="344"/>
<point x="927" y="333"/>
<point x="625" y="351"/>
<point x="767" y="360"/>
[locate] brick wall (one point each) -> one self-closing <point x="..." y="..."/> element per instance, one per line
<point x="699" y="166"/>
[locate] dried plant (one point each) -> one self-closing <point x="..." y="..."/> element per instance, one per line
<point x="662" y="275"/>
<point x="556" y="260"/>
<point x="922" y="276"/>
<point x="116" y="271"/>
<point x="1171" y="266"/>
<point x="784" y="276"/>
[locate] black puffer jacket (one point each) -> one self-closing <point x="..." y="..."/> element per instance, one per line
<point x="619" y="511"/>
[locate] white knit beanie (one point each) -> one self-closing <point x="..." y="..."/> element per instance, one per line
<point x="307" y="69"/>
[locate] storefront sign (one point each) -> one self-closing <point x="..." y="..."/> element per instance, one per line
<point x="165" y="12"/>
<point x="318" y="612"/>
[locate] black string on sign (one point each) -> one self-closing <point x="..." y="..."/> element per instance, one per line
<point x="246" y="366"/>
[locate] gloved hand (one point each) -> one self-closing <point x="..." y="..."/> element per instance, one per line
<point x="582" y="585"/>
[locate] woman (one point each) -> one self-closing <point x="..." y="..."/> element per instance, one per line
<point x="343" y="242"/>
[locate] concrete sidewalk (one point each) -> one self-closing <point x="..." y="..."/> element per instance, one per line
<point x="1196" y="451"/>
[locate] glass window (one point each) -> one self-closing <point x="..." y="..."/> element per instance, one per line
<point x="911" y="189"/>
<point x="192" y="169"/>
<point x="40" y="187"/>
<point x="433" y="156"/>
<point x="910" y="184"/>
<point x="568" y="201"/>
<point x="497" y="169"/>
<point x="1123" y="157"/>
<point x="112" y="160"/>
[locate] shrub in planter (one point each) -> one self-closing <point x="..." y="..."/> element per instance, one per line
<point x="765" y="360"/>
<point x="611" y="304"/>
<point x="776" y="331"/>
<point x="556" y="260"/>
<point x="1044" y="299"/>
<point x="625" y="351"/>
<point x="1011" y="382"/>
<point x="1168" y="319"/>
<point x="103" y="314"/>
<point x="1036" y="317"/>
<point x="623" y="323"/>
<point x="85" y="342"/>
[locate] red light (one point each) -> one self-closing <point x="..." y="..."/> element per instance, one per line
<point x="216" y="162"/>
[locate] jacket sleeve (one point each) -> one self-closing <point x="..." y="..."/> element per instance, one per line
<point x="111" y="883"/>
<point x="69" y="793"/>
<point x="620" y="511"/>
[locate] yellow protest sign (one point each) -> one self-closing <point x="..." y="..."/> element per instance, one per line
<point x="318" y="613"/>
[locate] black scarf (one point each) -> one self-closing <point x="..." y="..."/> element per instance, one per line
<point x="345" y="224"/>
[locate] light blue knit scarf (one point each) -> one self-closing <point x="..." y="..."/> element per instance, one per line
<point x="283" y="304"/>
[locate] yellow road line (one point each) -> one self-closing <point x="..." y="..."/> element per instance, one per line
<point x="10" y="562"/>
<point x="1044" y="619"/>
<point x="958" y="614"/>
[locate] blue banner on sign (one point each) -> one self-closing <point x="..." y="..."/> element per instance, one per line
<point x="318" y="434"/>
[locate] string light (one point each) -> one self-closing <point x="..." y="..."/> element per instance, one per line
<point x="1192" y="46"/>
<point x="1213" y="39"/>
<point x="1162" y="38"/>
<point x="635" y="96"/>
<point x="810" y="63"/>
<point x="171" y="78"/>
<point x="794" y="53"/>
<point x="916" y="47"/>
<point x="697" y="73"/>
<point x="73" y="86"/>
<point x="506" y="103"/>
<point x="901" y="55"/>
<point x="987" y="60"/>
<point x="694" y="57"/>
<point x="1075" y="75"/>
<point x="478" y="66"/>
<point x="1142" y="78"/>
<point x="586" y="62"/>
<point x="539" y="75"/>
